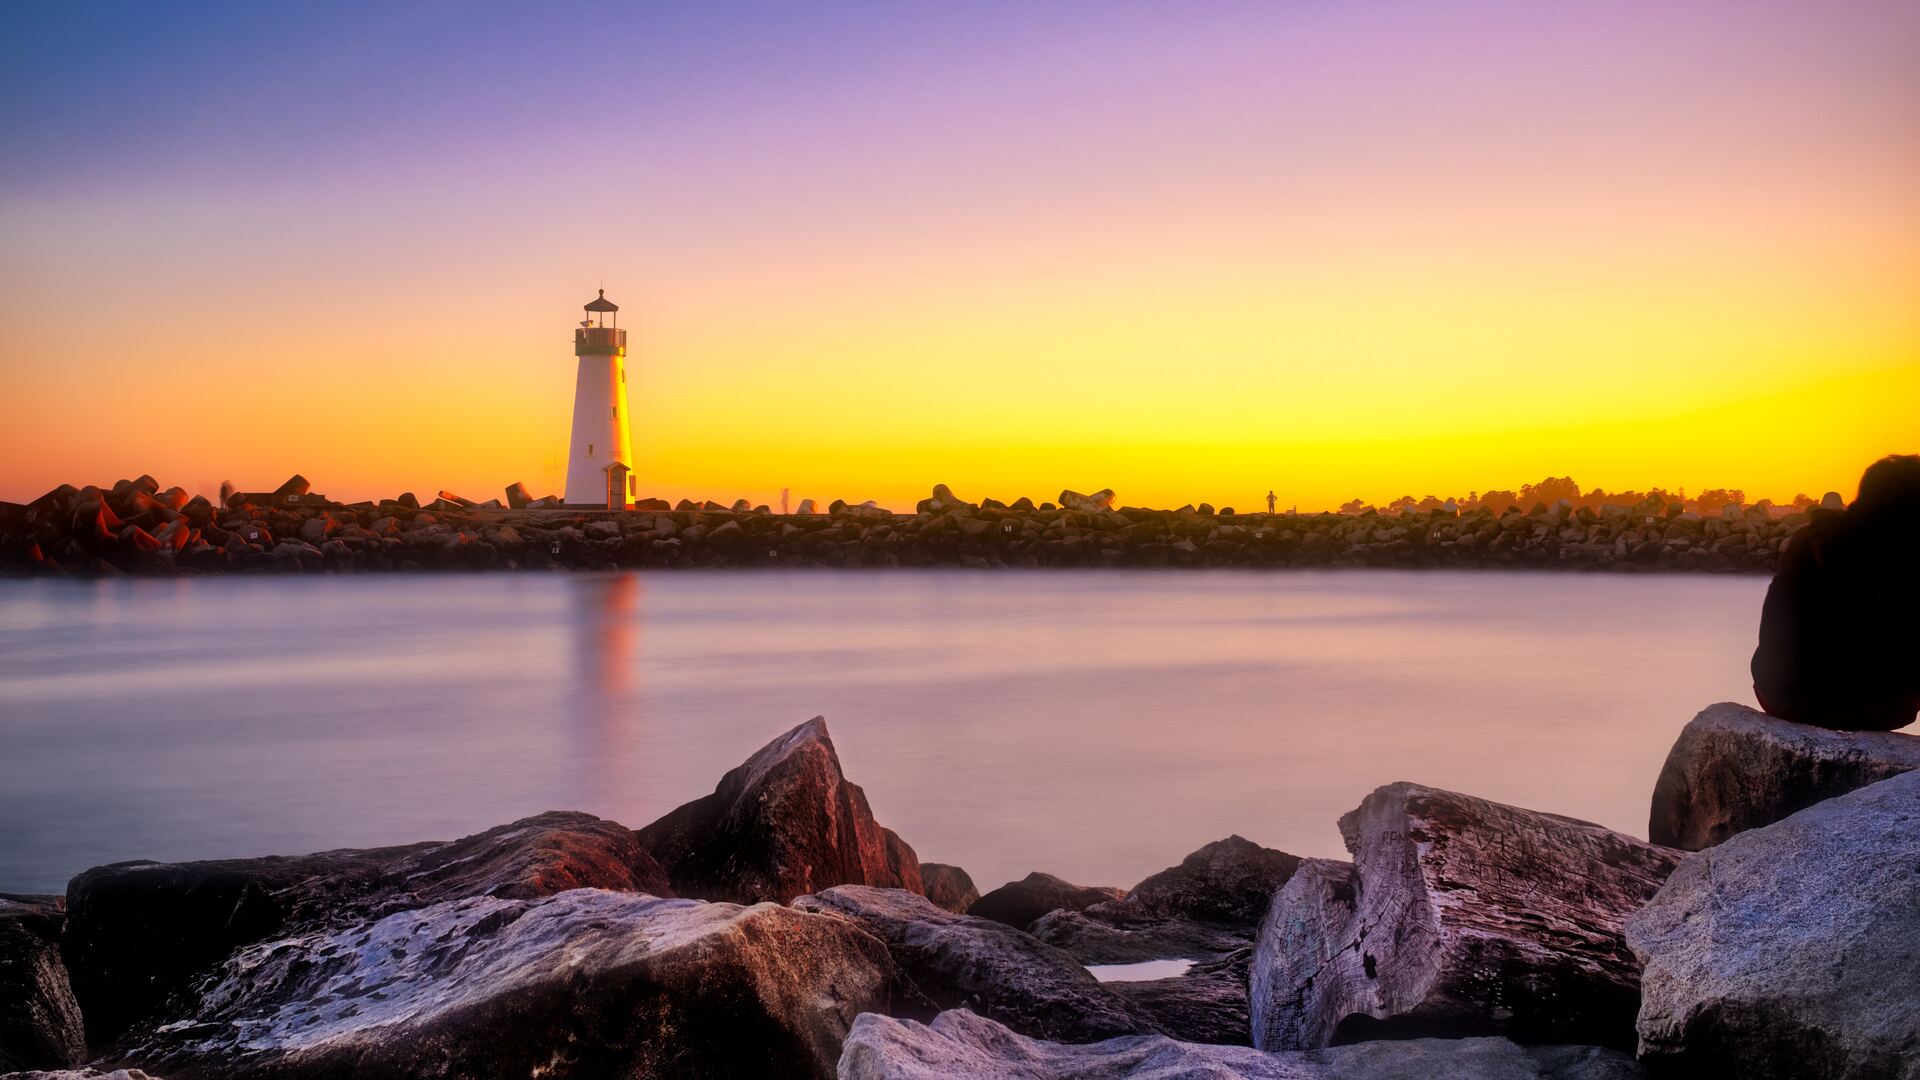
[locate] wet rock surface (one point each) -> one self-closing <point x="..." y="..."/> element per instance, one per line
<point x="1458" y="916"/>
<point x="40" y="1025"/>
<point x="959" y="1045"/>
<point x="586" y="983"/>
<point x="1206" y="1004"/>
<point x="93" y="531"/>
<point x="1734" y="769"/>
<point x="961" y="961"/>
<point x="1793" y="949"/>
<point x="784" y="823"/>
<point x="139" y="932"/>
<point x="1019" y="903"/>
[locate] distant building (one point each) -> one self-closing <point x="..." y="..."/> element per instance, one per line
<point x="600" y="457"/>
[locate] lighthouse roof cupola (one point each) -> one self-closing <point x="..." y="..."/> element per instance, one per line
<point x="598" y="334"/>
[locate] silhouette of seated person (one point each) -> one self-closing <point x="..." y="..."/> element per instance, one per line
<point x="1840" y="630"/>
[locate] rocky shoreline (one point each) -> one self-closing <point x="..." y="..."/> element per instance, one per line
<point x="774" y="928"/>
<point x="134" y="527"/>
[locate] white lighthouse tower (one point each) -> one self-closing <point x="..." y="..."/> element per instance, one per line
<point x="600" y="461"/>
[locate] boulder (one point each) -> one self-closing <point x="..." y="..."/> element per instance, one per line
<point x="40" y="1026"/>
<point x="1019" y="903"/>
<point x="1228" y="881"/>
<point x="1792" y="949"/>
<point x="784" y="823"/>
<point x="79" y="1074"/>
<point x="139" y="932"/>
<point x="1458" y="916"/>
<point x="806" y="508"/>
<point x="1094" y="503"/>
<point x="294" y="485"/>
<point x="959" y="1045"/>
<point x="1118" y="932"/>
<point x="948" y="887"/>
<point x="1734" y="769"/>
<point x="584" y="984"/>
<point x="518" y="496"/>
<point x="950" y="961"/>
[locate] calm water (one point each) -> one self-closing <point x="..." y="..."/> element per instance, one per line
<point x="1094" y="725"/>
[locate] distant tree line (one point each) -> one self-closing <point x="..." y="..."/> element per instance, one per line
<point x="1555" y="488"/>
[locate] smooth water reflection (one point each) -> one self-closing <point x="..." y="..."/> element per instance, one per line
<point x="1094" y="725"/>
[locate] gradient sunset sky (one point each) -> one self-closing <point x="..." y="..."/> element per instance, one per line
<point x="1188" y="251"/>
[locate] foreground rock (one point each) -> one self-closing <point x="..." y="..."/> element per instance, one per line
<point x="1019" y="903"/>
<point x="587" y="983"/>
<point x="961" y="1046"/>
<point x="40" y="1025"/>
<point x="948" y="887"/>
<point x="139" y="932"/>
<point x="784" y="823"/>
<point x="1734" y="769"/>
<point x="1229" y="881"/>
<point x="1791" y="950"/>
<point x="953" y="961"/>
<point x="1458" y="916"/>
<point x="1206" y="909"/>
<point x="79" y="1074"/>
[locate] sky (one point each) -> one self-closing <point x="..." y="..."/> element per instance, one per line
<point x="1186" y="251"/>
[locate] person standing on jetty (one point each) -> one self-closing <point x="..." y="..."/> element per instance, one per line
<point x="1840" y="629"/>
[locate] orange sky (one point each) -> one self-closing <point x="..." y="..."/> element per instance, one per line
<point x="1333" y="251"/>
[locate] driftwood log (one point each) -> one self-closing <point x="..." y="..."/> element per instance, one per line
<point x="1734" y="769"/>
<point x="1458" y="916"/>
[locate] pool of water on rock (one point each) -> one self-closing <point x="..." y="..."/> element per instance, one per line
<point x="1095" y="725"/>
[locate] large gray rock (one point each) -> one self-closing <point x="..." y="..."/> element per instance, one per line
<point x="1734" y="769"/>
<point x="1458" y="916"/>
<point x="1791" y="950"/>
<point x="1019" y="903"/>
<point x="139" y="932"/>
<point x="40" y="1026"/>
<point x="952" y="961"/>
<point x="784" y="823"/>
<point x="587" y="983"/>
<point x="961" y="1046"/>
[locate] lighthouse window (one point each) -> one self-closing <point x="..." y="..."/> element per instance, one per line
<point x="616" y="414"/>
<point x="589" y="449"/>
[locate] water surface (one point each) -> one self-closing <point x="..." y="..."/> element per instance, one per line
<point x="1094" y="725"/>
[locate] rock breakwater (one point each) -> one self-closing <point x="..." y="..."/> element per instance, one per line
<point x="134" y="528"/>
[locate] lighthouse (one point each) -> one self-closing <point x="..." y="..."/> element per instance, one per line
<point x="600" y="460"/>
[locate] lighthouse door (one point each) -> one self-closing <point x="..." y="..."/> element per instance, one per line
<point x="617" y="486"/>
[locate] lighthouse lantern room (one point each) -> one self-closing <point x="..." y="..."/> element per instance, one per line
<point x="600" y="459"/>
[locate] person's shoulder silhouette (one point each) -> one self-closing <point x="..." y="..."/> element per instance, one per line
<point x="1840" y="629"/>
